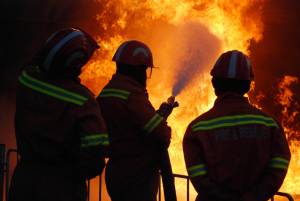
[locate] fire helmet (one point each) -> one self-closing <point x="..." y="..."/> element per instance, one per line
<point x="67" y="48"/>
<point x="134" y="53"/>
<point x="233" y="65"/>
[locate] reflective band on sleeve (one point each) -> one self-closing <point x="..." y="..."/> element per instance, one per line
<point x="94" y="140"/>
<point x="117" y="93"/>
<point x="51" y="90"/>
<point x="197" y="170"/>
<point x="153" y="123"/>
<point x="236" y="120"/>
<point x="278" y="162"/>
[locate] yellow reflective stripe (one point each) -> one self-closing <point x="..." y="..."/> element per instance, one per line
<point x="197" y="170"/>
<point x="94" y="137"/>
<point x="113" y="95"/>
<point x="153" y="123"/>
<point x="51" y="90"/>
<point x="120" y="91"/>
<point x="92" y="144"/>
<point x="196" y="167"/>
<point x="79" y="97"/>
<point x="278" y="162"/>
<point x="279" y="159"/>
<point x="235" y="120"/>
<point x="231" y="124"/>
<point x="117" y="93"/>
<point x="279" y="166"/>
<point x="93" y="140"/>
<point x="232" y="117"/>
<point x="200" y="173"/>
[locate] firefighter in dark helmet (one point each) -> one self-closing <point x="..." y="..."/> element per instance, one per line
<point x="235" y="151"/>
<point x="61" y="135"/>
<point x="137" y="132"/>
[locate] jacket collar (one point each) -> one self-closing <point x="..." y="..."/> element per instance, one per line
<point x="129" y="82"/>
<point x="230" y="97"/>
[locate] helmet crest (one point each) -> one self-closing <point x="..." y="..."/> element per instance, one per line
<point x="134" y="53"/>
<point x="233" y="65"/>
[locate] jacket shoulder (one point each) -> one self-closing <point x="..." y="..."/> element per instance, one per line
<point x="258" y="111"/>
<point x="205" y="116"/>
<point x="265" y="114"/>
<point x="60" y="90"/>
<point x="122" y="90"/>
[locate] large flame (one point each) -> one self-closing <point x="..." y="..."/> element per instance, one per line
<point x="174" y="29"/>
<point x="289" y="113"/>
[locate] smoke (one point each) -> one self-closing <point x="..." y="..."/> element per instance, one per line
<point x="277" y="55"/>
<point x="198" y="49"/>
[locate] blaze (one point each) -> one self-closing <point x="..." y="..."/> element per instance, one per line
<point x="175" y="30"/>
<point x="290" y="111"/>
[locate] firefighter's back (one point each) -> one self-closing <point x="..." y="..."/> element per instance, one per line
<point x="59" y="129"/>
<point x="47" y="137"/>
<point x="236" y="138"/>
<point x="128" y="145"/>
<point x="235" y="151"/>
<point x="45" y="120"/>
<point x="137" y="134"/>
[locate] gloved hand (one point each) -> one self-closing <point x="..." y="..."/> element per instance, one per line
<point x="166" y="108"/>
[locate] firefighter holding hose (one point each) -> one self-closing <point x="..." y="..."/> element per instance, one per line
<point x="137" y="132"/>
<point x="235" y="151"/>
<point x="60" y="132"/>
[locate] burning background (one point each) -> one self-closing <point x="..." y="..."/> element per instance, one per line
<point x="186" y="37"/>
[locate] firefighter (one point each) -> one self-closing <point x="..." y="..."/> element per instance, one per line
<point x="137" y="133"/>
<point x="60" y="133"/>
<point x="235" y="151"/>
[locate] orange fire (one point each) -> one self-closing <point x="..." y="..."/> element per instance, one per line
<point x="174" y="29"/>
<point x="289" y="113"/>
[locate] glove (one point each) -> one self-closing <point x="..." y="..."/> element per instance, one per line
<point x="165" y="110"/>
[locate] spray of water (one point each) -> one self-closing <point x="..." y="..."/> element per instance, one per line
<point x="198" y="48"/>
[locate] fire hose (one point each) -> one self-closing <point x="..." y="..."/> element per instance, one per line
<point x="165" y="163"/>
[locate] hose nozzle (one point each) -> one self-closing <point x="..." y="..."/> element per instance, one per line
<point x="171" y="101"/>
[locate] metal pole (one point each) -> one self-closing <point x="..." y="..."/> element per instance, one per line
<point x="187" y="189"/>
<point x="7" y="170"/>
<point x="159" y="190"/>
<point x="88" y="190"/>
<point x="288" y="196"/>
<point x="2" y="169"/>
<point x="100" y="187"/>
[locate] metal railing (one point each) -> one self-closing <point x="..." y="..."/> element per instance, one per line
<point x="279" y="194"/>
<point x="5" y="168"/>
<point x="187" y="186"/>
<point x="286" y="195"/>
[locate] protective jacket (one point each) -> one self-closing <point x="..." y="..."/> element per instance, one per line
<point x="235" y="150"/>
<point x="60" y="136"/>
<point x="137" y="134"/>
